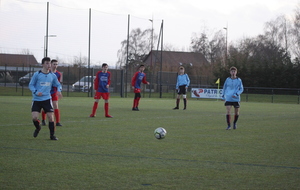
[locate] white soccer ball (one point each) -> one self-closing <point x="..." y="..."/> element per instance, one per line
<point x="160" y="133"/>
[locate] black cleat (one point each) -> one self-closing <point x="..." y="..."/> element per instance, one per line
<point x="176" y="108"/>
<point x="58" y="124"/>
<point x="36" y="132"/>
<point x="234" y="126"/>
<point x="184" y="108"/>
<point x="53" y="138"/>
<point x="43" y="122"/>
<point x="135" y="109"/>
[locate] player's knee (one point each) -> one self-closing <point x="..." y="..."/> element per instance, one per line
<point x="184" y="96"/>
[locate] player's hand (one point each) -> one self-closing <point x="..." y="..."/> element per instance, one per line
<point x="59" y="94"/>
<point x="39" y="94"/>
<point x="107" y="86"/>
<point x="133" y="87"/>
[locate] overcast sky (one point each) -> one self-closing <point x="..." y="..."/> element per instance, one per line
<point x="23" y="26"/>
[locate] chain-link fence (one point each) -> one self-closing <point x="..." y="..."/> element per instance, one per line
<point x="75" y="83"/>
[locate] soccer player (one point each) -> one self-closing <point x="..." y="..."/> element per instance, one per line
<point x="183" y="82"/>
<point x="101" y="85"/>
<point x="138" y="78"/>
<point x="232" y="89"/>
<point x="54" y="65"/>
<point x="40" y="86"/>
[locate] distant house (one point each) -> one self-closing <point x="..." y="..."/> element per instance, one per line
<point x="172" y="60"/>
<point x="17" y="60"/>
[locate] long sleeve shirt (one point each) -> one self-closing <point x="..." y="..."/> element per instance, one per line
<point x="182" y="80"/>
<point x="43" y="82"/>
<point x="232" y="87"/>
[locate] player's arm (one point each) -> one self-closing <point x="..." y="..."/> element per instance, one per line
<point x="59" y="76"/>
<point x="57" y="84"/>
<point x="108" y="80"/>
<point x="224" y="89"/>
<point x="32" y="84"/>
<point x="240" y="89"/>
<point x="144" y="80"/>
<point x="188" y="80"/>
<point x="133" y="80"/>
<point x="96" y="81"/>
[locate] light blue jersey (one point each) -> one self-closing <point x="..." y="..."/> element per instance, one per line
<point x="232" y="87"/>
<point x="43" y="82"/>
<point x="182" y="80"/>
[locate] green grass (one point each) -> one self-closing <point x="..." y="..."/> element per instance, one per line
<point x="122" y="153"/>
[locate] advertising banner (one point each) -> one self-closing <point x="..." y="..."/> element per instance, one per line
<point x="206" y="93"/>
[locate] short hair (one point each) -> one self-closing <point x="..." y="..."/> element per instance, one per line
<point x="141" y="66"/>
<point x="104" y="64"/>
<point x="53" y="60"/>
<point x="233" y="68"/>
<point x="45" y="59"/>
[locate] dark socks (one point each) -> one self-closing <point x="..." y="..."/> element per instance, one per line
<point x="51" y="128"/>
<point x="228" y="120"/>
<point x="236" y="117"/>
<point x="37" y="124"/>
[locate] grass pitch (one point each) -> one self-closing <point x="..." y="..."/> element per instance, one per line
<point x="122" y="152"/>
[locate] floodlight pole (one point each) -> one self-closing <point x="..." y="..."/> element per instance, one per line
<point x="226" y="28"/>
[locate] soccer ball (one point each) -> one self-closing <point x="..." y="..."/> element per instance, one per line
<point x="160" y="133"/>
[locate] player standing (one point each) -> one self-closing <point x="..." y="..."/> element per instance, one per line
<point x="54" y="65"/>
<point x="138" y="78"/>
<point x="40" y="86"/>
<point x="183" y="82"/>
<point x="232" y="89"/>
<point x="101" y="85"/>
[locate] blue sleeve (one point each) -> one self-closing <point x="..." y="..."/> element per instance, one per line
<point x="177" y="82"/>
<point x="188" y="80"/>
<point x="32" y="83"/>
<point x="56" y="83"/>
<point x="224" y="89"/>
<point x="240" y="88"/>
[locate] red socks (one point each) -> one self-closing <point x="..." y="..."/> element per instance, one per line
<point x="57" y="115"/>
<point x="136" y="102"/>
<point x="95" y="108"/>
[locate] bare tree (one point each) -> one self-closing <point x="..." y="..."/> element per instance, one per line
<point x="139" y="45"/>
<point x="296" y="33"/>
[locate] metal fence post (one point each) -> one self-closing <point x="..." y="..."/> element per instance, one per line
<point x="272" y="95"/>
<point x="298" y="96"/>
<point x="247" y="94"/>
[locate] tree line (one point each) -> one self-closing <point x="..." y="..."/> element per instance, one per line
<point x="270" y="59"/>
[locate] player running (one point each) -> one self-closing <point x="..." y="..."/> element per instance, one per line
<point x="54" y="65"/>
<point x="40" y="86"/>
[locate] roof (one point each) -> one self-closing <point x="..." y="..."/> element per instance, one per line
<point x="17" y="60"/>
<point x="175" y="58"/>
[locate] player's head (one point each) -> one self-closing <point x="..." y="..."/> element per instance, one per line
<point x="45" y="59"/>
<point x="54" y="64"/>
<point x="181" y="69"/>
<point x="233" y="71"/>
<point x="233" y="68"/>
<point x="141" y="67"/>
<point x="104" y="67"/>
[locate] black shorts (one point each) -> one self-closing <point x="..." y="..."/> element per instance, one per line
<point x="182" y="90"/>
<point x="234" y="104"/>
<point x="45" y="105"/>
